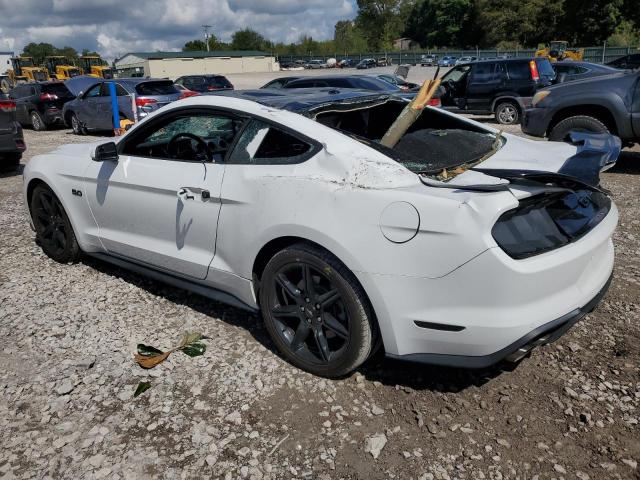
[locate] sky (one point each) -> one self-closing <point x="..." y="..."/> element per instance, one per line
<point x="116" y="27"/>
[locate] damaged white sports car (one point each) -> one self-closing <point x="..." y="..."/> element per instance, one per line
<point x="460" y="246"/>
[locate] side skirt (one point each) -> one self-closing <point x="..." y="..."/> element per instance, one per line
<point x="205" y="291"/>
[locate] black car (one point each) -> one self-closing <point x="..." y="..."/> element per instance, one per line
<point x="502" y="87"/>
<point x="204" y="84"/>
<point x="279" y="82"/>
<point x="11" y="139"/>
<point x="606" y="104"/>
<point x="363" y="82"/>
<point x="628" y="62"/>
<point x="366" y="64"/>
<point x="571" y="70"/>
<point x="40" y="105"/>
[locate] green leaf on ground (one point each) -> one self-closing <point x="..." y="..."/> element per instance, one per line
<point x="194" y="349"/>
<point x="148" y="350"/>
<point x="142" y="387"/>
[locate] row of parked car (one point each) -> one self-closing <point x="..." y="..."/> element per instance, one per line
<point x="548" y="99"/>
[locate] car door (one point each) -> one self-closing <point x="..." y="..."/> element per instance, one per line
<point x="87" y="110"/>
<point x="105" y="109"/>
<point x="454" y="83"/>
<point x="158" y="205"/>
<point x="18" y="94"/>
<point x="485" y="81"/>
<point x="635" y="110"/>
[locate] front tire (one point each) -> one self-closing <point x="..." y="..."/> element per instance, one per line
<point x="316" y="312"/>
<point x="579" y="123"/>
<point x="54" y="232"/>
<point x="76" y="126"/>
<point x="507" y="113"/>
<point x="37" y="122"/>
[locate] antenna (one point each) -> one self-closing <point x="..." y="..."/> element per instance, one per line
<point x="206" y="28"/>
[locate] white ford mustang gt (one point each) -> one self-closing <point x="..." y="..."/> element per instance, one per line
<point x="460" y="246"/>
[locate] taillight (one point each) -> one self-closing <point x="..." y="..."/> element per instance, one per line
<point x="143" y="102"/>
<point x="7" y="106"/>
<point x="188" y="93"/>
<point x="47" y="97"/>
<point x="533" y="66"/>
<point x="435" y="102"/>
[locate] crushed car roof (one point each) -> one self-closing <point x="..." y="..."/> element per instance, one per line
<point x="303" y="100"/>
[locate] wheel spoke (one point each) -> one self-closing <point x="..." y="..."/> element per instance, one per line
<point x="334" y="325"/>
<point x="309" y="287"/>
<point x="42" y="216"/>
<point x="60" y="238"/>
<point x="48" y="231"/>
<point x="286" y="311"/>
<point x="302" y="332"/>
<point x="46" y="204"/>
<point x="289" y="287"/>
<point x="327" y="299"/>
<point x="323" y="346"/>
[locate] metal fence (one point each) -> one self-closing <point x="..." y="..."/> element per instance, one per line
<point x="602" y="54"/>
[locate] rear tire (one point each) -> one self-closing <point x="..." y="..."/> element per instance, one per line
<point x="54" y="232"/>
<point x="507" y="113"/>
<point x="37" y="122"/>
<point x="316" y="312"/>
<point x="579" y="123"/>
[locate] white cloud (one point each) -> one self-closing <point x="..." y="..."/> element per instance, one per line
<point x="147" y="25"/>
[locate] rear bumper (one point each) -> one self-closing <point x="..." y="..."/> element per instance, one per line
<point x="53" y="116"/>
<point x="543" y="335"/>
<point x="12" y="141"/>
<point x="492" y="305"/>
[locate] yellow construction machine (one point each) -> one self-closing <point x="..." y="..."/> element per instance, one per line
<point x="22" y="70"/>
<point x="61" y="68"/>
<point x="559" y="50"/>
<point x="95" y="67"/>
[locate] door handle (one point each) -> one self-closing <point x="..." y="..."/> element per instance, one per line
<point x="189" y="193"/>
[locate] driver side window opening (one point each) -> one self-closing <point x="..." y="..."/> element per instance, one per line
<point x="195" y="137"/>
<point x="263" y="144"/>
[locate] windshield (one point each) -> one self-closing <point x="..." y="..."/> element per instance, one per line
<point x="157" y="88"/>
<point x="57" y="89"/>
<point x="456" y="73"/>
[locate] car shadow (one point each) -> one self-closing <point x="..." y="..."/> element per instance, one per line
<point x="378" y="368"/>
<point x="628" y="163"/>
<point x="14" y="172"/>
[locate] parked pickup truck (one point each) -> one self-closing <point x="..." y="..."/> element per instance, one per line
<point x="606" y="104"/>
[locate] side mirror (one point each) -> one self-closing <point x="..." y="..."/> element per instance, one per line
<point x="107" y="152"/>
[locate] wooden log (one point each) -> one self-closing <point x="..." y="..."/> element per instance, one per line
<point x="410" y="113"/>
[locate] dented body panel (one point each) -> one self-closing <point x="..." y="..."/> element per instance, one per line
<point x="449" y="270"/>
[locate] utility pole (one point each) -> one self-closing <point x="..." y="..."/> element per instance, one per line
<point x="206" y="28"/>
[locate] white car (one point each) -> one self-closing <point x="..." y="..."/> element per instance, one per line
<point x="460" y="246"/>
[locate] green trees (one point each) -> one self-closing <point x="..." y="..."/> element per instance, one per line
<point x="41" y="50"/>
<point x="248" y="39"/>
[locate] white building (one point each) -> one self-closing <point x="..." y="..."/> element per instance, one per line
<point x="5" y="62"/>
<point x="176" y="64"/>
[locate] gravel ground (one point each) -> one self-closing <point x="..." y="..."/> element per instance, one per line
<point x="68" y="333"/>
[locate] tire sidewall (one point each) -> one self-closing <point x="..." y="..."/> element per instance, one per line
<point x="75" y="125"/>
<point x="72" y="250"/>
<point x="581" y="123"/>
<point x="37" y="122"/>
<point x="360" y="330"/>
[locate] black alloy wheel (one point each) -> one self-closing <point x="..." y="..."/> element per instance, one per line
<point x="315" y="311"/>
<point x="53" y="229"/>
